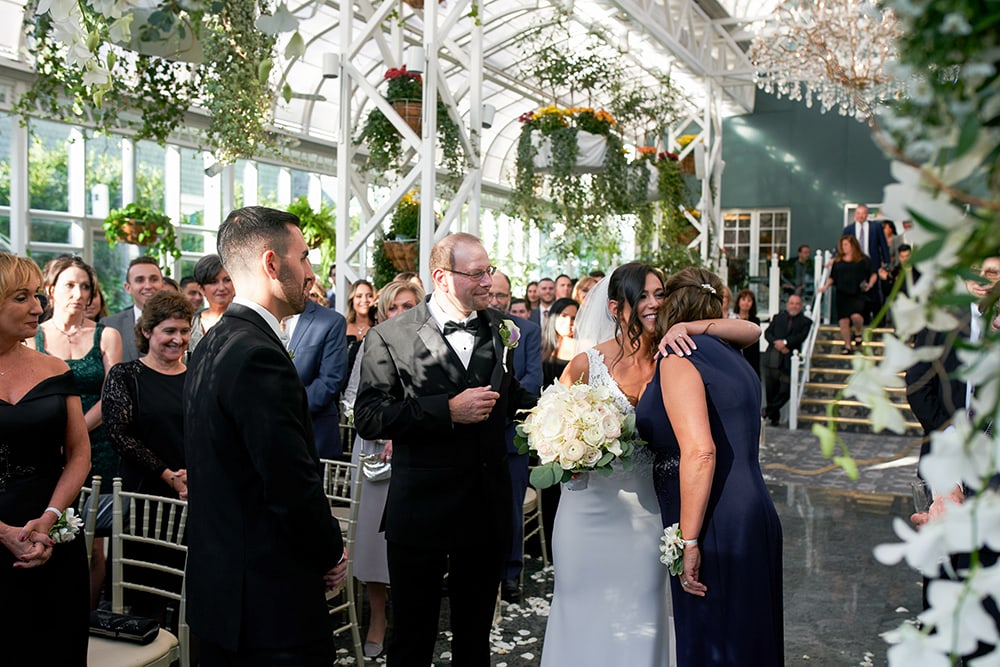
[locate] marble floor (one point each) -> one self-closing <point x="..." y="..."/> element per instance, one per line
<point x="838" y="599"/>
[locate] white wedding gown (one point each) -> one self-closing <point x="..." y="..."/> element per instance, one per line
<point x="611" y="604"/>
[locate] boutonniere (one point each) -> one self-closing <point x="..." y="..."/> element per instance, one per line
<point x="291" y="354"/>
<point x="510" y="335"/>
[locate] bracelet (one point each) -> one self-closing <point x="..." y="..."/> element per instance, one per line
<point x="690" y="543"/>
<point x="54" y="510"/>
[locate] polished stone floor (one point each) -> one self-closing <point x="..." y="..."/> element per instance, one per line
<point x="838" y="599"/>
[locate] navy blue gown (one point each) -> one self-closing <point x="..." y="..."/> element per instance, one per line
<point x="739" y="621"/>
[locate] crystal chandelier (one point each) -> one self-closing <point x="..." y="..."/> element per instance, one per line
<point x="833" y="50"/>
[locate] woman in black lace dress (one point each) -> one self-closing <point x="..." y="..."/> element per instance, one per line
<point x="44" y="459"/>
<point x="142" y="400"/>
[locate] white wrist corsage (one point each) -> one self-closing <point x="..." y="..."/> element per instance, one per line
<point x="66" y="526"/>
<point x="672" y="549"/>
<point x="510" y="335"/>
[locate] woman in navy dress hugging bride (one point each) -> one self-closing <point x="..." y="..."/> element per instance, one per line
<point x="701" y="415"/>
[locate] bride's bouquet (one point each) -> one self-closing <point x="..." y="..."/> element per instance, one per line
<point x="576" y="429"/>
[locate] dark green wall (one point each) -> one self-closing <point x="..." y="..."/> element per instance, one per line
<point x="787" y="155"/>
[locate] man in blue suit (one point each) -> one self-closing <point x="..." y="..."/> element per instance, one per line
<point x="317" y="341"/>
<point x="870" y="237"/>
<point x="527" y="360"/>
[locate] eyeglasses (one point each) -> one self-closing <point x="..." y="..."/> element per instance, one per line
<point x="990" y="274"/>
<point x="498" y="295"/>
<point x="477" y="276"/>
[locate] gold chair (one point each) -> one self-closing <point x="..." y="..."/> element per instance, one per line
<point x="343" y="490"/>
<point x="152" y="520"/>
<point x="532" y="514"/>
<point x="88" y="512"/>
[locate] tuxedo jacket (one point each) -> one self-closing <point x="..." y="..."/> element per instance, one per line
<point x="260" y="532"/>
<point x="319" y="347"/>
<point x="124" y="323"/>
<point x="878" y="247"/>
<point x="932" y="390"/>
<point x="450" y="483"/>
<point x="794" y="330"/>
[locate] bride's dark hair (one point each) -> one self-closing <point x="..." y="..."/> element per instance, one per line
<point x="626" y="286"/>
<point x="691" y="294"/>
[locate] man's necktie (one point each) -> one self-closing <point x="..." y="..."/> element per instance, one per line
<point x="472" y="326"/>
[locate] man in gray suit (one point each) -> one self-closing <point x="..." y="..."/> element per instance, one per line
<point x="142" y="280"/>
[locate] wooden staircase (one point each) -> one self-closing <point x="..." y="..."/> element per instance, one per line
<point x="830" y="371"/>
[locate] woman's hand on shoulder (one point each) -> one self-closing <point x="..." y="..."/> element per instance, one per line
<point x="678" y="338"/>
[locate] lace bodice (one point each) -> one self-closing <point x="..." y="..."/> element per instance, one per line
<point x="600" y="376"/>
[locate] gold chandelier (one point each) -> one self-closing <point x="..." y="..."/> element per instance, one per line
<point x="833" y="51"/>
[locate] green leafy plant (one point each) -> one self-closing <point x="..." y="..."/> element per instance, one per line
<point x="385" y="148"/>
<point x="404" y="226"/>
<point x="144" y="227"/>
<point x="318" y="228"/>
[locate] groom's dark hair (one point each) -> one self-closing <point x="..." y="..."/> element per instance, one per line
<point x="249" y="231"/>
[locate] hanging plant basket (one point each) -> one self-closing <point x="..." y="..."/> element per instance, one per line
<point x="591" y="149"/>
<point x="416" y="4"/>
<point x="402" y="254"/>
<point x="138" y="232"/>
<point x="410" y="111"/>
<point x="687" y="164"/>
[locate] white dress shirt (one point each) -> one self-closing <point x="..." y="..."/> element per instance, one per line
<point x="461" y="341"/>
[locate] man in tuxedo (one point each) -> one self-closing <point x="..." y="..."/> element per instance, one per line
<point x="546" y="297"/>
<point x="317" y="341"/>
<point x="787" y="332"/>
<point x="527" y="359"/>
<point x="439" y="382"/>
<point x="263" y="547"/>
<point x="143" y="279"/>
<point x="870" y="237"/>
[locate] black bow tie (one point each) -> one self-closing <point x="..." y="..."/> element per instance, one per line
<point x="472" y="326"/>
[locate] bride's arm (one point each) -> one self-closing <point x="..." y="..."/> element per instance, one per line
<point x="740" y="333"/>
<point x="576" y="371"/>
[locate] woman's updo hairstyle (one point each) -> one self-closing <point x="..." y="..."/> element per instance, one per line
<point x="691" y="294"/>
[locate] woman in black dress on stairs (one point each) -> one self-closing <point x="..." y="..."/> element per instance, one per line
<point x="44" y="459"/>
<point x="701" y="415"/>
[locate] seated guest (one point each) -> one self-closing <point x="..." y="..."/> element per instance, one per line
<point x="218" y="289"/>
<point x="370" y="562"/>
<point x="142" y="400"/>
<point x="787" y="333"/>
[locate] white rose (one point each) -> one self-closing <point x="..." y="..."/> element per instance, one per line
<point x="611" y="427"/>
<point x="592" y="456"/>
<point x="572" y="454"/>
<point x="594" y="435"/>
<point x="546" y="452"/>
<point x="548" y="425"/>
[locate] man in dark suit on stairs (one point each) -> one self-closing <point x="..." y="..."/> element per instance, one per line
<point x="439" y="382"/>
<point x="786" y="333"/>
<point x="262" y="544"/>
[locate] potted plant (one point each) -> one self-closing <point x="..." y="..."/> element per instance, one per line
<point x="317" y="228"/>
<point x="687" y="164"/>
<point x="400" y="246"/>
<point x="143" y="227"/>
<point x="404" y="91"/>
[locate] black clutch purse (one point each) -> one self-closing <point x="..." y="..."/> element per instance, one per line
<point x="124" y="627"/>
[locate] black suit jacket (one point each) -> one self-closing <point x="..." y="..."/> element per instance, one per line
<point x="124" y="323"/>
<point x="260" y="531"/>
<point x="934" y="394"/>
<point x="794" y="330"/>
<point x="450" y="482"/>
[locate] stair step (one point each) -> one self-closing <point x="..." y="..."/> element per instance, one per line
<point x="826" y="356"/>
<point x="912" y="427"/>
<point x="845" y="402"/>
<point x="831" y="328"/>
<point x="836" y="342"/>
<point x="834" y="386"/>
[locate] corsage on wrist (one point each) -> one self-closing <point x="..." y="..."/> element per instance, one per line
<point x="672" y="545"/>
<point x="66" y="526"/>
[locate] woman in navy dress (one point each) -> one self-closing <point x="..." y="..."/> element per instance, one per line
<point x="701" y="414"/>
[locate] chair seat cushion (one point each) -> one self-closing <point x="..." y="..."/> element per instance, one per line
<point x="113" y="653"/>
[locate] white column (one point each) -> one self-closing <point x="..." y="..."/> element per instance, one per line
<point x="250" y="184"/>
<point x="19" y="194"/>
<point x="284" y="187"/>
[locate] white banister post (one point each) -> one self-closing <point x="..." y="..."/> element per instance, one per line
<point x="793" y="399"/>
<point x="774" y="287"/>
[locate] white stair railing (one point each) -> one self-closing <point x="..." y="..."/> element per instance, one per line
<point x="819" y="312"/>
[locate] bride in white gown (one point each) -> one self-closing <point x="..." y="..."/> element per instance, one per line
<point x="611" y="605"/>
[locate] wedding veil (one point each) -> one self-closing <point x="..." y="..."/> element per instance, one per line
<point x="594" y="323"/>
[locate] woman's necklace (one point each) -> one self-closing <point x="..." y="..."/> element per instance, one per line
<point x="69" y="334"/>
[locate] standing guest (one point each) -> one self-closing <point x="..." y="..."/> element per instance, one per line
<point x="316" y="295"/>
<point x="90" y="350"/>
<point x="870" y="237"/>
<point x="893" y="240"/>
<point x="797" y="275"/>
<point x="142" y="280"/>
<point x="531" y="295"/>
<point x="519" y="308"/>
<point x="46" y="456"/>
<point x="360" y="317"/>
<point x="527" y="360"/>
<point x="746" y="309"/>
<point x="727" y="304"/>
<point x="255" y="487"/>
<point x="370" y="562"/>
<point x="564" y="286"/>
<point x="219" y="292"/>
<point x="854" y="277"/>
<point x="700" y="416"/>
<point x="436" y="381"/>
<point x="331" y="278"/>
<point x="172" y="284"/>
<point x="583" y="287"/>
<point x="192" y="292"/>
<point x="409" y="277"/>
<point x="546" y="297"/>
<point x="317" y="342"/>
<point x="558" y="346"/>
<point x="142" y="400"/>
<point x="98" y="308"/>
<point x="787" y="332"/>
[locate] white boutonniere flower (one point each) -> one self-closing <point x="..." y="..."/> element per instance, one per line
<point x="66" y="527"/>
<point x="510" y="335"/>
<point x="672" y="549"/>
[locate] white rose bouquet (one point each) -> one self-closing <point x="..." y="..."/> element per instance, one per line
<point x="575" y="429"/>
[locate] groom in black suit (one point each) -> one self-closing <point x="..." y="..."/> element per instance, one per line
<point x="262" y="544"/>
<point x="439" y="382"/>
